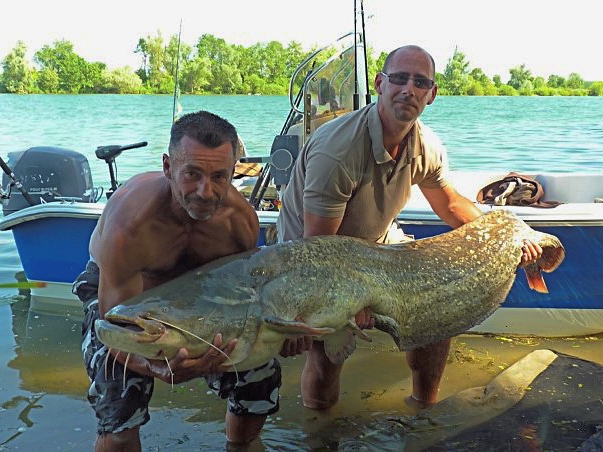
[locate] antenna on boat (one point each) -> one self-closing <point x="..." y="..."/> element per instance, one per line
<point x="368" y="93"/>
<point x="177" y="108"/>
<point x="363" y="39"/>
<point x="356" y="94"/>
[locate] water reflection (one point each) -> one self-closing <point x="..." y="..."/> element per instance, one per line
<point x="43" y="387"/>
<point x="48" y="356"/>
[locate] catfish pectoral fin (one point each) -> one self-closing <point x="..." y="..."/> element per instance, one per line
<point x="340" y="345"/>
<point x="295" y="328"/>
<point x="535" y="279"/>
<point x="240" y="353"/>
<point x="389" y="326"/>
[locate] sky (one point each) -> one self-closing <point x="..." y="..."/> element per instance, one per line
<point x="548" y="38"/>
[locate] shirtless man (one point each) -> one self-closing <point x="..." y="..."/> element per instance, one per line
<point x="154" y="228"/>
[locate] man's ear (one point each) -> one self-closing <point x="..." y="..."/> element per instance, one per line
<point x="434" y="92"/>
<point x="167" y="168"/>
<point x="378" y="80"/>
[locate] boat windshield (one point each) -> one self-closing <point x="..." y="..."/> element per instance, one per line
<point x="330" y="87"/>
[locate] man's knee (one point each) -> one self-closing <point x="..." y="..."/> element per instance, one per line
<point x="243" y="429"/>
<point x="127" y="440"/>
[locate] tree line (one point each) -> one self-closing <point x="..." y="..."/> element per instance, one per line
<point x="212" y="66"/>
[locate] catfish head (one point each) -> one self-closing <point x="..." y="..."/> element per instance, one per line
<point x="156" y="328"/>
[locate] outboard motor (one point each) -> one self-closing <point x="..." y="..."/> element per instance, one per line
<point x="47" y="174"/>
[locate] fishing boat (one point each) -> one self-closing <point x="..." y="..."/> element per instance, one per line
<point x="51" y="205"/>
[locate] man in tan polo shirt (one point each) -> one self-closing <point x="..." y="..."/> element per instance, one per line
<point x="353" y="177"/>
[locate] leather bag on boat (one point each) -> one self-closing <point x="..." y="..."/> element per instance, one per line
<point x="514" y="190"/>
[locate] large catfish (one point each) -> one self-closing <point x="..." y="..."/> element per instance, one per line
<point x="420" y="292"/>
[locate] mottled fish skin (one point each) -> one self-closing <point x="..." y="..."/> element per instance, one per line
<point x="421" y="292"/>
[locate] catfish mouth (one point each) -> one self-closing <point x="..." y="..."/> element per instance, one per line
<point x="142" y="328"/>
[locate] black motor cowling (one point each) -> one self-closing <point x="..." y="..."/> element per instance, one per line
<point x="48" y="173"/>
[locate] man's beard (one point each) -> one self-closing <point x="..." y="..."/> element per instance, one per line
<point x="199" y="217"/>
<point x="191" y="203"/>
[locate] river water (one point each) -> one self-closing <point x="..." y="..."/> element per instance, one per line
<point x="42" y="380"/>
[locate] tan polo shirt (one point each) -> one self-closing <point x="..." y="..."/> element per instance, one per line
<point x="344" y="169"/>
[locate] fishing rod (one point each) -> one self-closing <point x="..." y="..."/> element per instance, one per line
<point x="176" y="78"/>
<point x="368" y="93"/>
<point x="16" y="182"/>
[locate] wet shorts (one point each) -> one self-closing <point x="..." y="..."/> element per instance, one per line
<point x="122" y="403"/>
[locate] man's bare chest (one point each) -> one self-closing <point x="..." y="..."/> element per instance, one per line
<point x="171" y="256"/>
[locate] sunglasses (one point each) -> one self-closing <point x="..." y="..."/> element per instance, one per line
<point x="402" y="79"/>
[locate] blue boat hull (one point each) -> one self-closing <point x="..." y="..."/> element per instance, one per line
<point x="54" y="249"/>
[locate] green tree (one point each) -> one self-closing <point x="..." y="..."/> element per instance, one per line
<point x="475" y="89"/>
<point x="519" y="76"/>
<point x="507" y="90"/>
<point x="526" y="88"/>
<point x="250" y="66"/>
<point x="574" y="81"/>
<point x="120" y="81"/>
<point x="541" y="88"/>
<point x="173" y="59"/>
<point x="595" y="89"/>
<point x="295" y="55"/>
<point x="556" y="81"/>
<point x="223" y="64"/>
<point x="17" y="76"/>
<point x="227" y="79"/>
<point x="456" y="75"/>
<point x="255" y="84"/>
<point x="72" y="70"/>
<point x="143" y="51"/>
<point x="93" y="77"/>
<point x="380" y="61"/>
<point x="48" y="80"/>
<point x="196" y="75"/>
<point x="275" y="63"/>
<point x="441" y="82"/>
<point x="155" y="76"/>
<point x="481" y="85"/>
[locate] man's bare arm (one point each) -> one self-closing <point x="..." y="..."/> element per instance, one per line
<point x="457" y="210"/>
<point x="453" y="208"/>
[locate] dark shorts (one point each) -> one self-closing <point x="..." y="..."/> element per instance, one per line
<point x="122" y="403"/>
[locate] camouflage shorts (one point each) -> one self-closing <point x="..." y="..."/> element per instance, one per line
<point x="252" y="392"/>
<point x="119" y="403"/>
